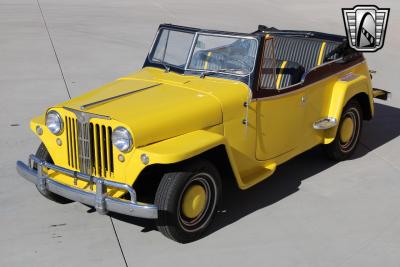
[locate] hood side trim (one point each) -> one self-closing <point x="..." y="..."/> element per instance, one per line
<point x="118" y="96"/>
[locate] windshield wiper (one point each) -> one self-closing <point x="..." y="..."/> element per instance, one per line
<point x="207" y="73"/>
<point x="224" y="71"/>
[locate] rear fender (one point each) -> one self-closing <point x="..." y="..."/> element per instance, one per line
<point x="352" y="85"/>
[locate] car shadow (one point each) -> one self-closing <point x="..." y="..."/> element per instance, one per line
<point x="237" y="203"/>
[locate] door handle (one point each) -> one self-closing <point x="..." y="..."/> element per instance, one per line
<point x="303" y="99"/>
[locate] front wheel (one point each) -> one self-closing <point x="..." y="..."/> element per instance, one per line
<point x="348" y="132"/>
<point x="187" y="200"/>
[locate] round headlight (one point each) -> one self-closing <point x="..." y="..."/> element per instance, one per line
<point x="54" y="122"/>
<point x="122" y="139"/>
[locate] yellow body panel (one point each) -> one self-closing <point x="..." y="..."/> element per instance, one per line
<point x="285" y="121"/>
<point x="280" y="123"/>
<point x="185" y="116"/>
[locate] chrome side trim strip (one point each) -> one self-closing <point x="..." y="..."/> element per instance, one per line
<point x="349" y="77"/>
<point x="100" y="200"/>
<point x="118" y="96"/>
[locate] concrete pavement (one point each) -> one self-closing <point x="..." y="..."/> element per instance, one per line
<point x="311" y="213"/>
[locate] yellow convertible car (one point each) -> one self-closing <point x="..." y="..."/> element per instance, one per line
<point x="207" y="106"/>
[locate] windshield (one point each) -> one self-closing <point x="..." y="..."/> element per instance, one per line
<point x="205" y="52"/>
<point x="172" y="47"/>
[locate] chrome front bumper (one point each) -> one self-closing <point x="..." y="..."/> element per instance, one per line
<point x="100" y="200"/>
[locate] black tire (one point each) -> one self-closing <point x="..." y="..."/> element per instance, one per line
<point x="43" y="154"/>
<point x="340" y="150"/>
<point x="174" y="186"/>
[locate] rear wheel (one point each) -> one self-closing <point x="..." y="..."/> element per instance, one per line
<point x="43" y="154"/>
<point x="348" y="133"/>
<point x="187" y="200"/>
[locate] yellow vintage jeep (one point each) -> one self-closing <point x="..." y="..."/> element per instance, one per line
<point x="207" y="106"/>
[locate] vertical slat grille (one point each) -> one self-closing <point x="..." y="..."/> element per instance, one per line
<point x="104" y="154"/>
<point x="71" y="142"/>
<point x="89" y="148"/>
<point x="98" y="148"/>
<point x="85" y="159"/>
<point x="110" y="150"/>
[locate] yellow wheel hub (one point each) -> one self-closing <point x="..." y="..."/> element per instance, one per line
<point x="347" y="130"/>
<point x="194" y="201"/>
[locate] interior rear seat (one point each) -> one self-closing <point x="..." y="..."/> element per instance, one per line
<point x="305" y="51"/>
<point x="288" y="73"/>
<point x="295" y="56"/>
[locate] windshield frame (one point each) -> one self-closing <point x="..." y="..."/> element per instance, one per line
<point x="197" y="33"/>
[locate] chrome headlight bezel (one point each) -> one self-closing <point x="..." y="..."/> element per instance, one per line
<point x="122" y="139"/>
<point x="56" y="127"/>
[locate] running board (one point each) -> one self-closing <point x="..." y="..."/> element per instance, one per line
<point x="325" y="123"/>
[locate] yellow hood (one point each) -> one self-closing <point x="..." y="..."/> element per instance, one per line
<point x="169" y="108"/>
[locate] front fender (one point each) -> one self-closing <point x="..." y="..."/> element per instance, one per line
<point x="344" y="90"/>
<point x="177" y="149"/>
<point x="181" y="147"/>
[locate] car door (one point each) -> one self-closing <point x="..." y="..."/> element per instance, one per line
<point x="279" y="124"/>
<point x="280" y="112"/>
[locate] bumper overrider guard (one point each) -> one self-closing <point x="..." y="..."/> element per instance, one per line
<point x="100" y="200"/>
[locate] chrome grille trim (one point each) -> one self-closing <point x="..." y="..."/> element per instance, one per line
<point x="71" y="142"/>
<point x="84" y="145"/>
<point x="89" y="145"/>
